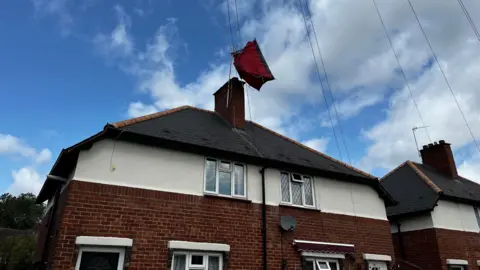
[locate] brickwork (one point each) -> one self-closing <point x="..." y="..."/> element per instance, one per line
<point x="430" y="248"/>
<point x="152" y="218"/>
<point x="458" y="245"/>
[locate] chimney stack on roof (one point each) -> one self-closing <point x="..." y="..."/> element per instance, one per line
<point x="230" y="103"/>
<point x="440" y="157"/>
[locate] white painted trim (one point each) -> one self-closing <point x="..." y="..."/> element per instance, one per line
<point x="323" y="255"/>
<point x="120" y="251"/>
<point x="232" y="177"/>
<point x="457" y="262"/>
<point x="321" y="243"/>
<point x="185" y="245"/>
<point x="103" y="241"/>
<point x="205" y="259"/>
<point x="377" y="257"/>
<point x="290" y="203"/>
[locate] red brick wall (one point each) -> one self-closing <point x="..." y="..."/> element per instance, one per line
<point x="420" y="248"/>
<point x="430" y="248"/>
<point x="152" y="218"/>
<point x="459" y="245"/>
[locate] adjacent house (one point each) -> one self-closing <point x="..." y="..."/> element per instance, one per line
<point x="435" y="224"/>
<point x="189" y="188"/>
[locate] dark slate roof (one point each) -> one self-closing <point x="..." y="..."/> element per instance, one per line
<point x="417" y="187"/>
<point x="460" y="187"/>
<point x="409" y="190"/>
<point x="205" y="128"/>
<point x="188" y="128"/>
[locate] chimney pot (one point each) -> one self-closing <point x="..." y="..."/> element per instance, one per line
<point x="435" y="143"/>
<point x="440" y="157"/>
<point x="230" y="103"/>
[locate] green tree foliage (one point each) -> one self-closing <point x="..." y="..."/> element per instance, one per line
<point x="20" y="212"/>
<point x="16" y="252"/>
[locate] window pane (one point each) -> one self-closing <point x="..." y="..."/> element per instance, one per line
<point x="307" y="185"/>
<point x="213" y="263"/>
<point x="297" y="193"/>
<point x="196" y="260"/>
<point x="333" y="265"/>
<point x="179" y="262"/>
<point x="285" y="187"/>
<point x="225" y="183"/>
<point x="239" y="180"/>
<point x="99" y="260"/>
<point x="210" y="175"/>
<point x="308" y="265"/>
<point x="322" y="265"/>
<point x="225" y="166"/>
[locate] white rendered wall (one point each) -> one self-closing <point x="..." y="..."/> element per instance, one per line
<point x="167" y="170"/>
<point x="455" y="216"/>
<point x="415" y="223"/>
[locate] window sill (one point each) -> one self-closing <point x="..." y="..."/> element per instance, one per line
<point x="238" y="199"/>
<point x="310" y="208"/>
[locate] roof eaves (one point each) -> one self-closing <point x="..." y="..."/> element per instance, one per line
<point x="425" y="178"/>
<point x="315" y="151"/>
<point x="135" y="120"/>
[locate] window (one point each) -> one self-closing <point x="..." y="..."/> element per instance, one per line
<point x="197" y="261"/>
<point x="456" y="267"/>
<point x="297" y="189"/>
<point x="321" y="264"/>
<point x="224" y="177"/>
<point x="100" y="258"/>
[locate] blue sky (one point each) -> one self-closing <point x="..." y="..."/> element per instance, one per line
<point x="68" y="67"/>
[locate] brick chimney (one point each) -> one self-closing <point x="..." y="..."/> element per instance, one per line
<point x="230" y="105"/>
<point x="439" y="156"/>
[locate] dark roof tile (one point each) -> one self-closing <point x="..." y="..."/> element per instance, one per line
<point x="205" y="128"/>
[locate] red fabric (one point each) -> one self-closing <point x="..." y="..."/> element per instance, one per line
<point x="251" y="65"/>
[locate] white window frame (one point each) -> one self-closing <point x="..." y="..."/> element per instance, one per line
<point x="232" y="179"/>
<point x="317" y="260"/>
<point x="119" y="250"/>
<point x="188" y="257"/>
<point x="290" y="179"/>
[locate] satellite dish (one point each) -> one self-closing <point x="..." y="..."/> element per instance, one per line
<point x="288" y="223"/>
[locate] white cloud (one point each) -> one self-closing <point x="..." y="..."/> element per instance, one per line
<point x="13" y="146"/>
<point x="119" y="42"/>
<point x="137" y="109"/>
<point x="360" y="64"/>
<point x="470" y="169"/>
<point x="57" y="8"/>
<point x="44" y="156"/>
<point x="25" y="180"/>
<point x="319" y="144"/>
<point x="391" y="139"/>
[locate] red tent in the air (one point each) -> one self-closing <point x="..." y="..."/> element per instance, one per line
<point x="251" y="65"/>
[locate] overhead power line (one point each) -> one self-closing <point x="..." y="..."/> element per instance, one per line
<point x="230" y="24"/>
<point x="443" y="74"/>
<point x="327" y="81"/>
<point x="401" y="69"/>
<point x="238" y="25"/>
<point x="320" y="79"/>
<point x="470" y="21"/>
